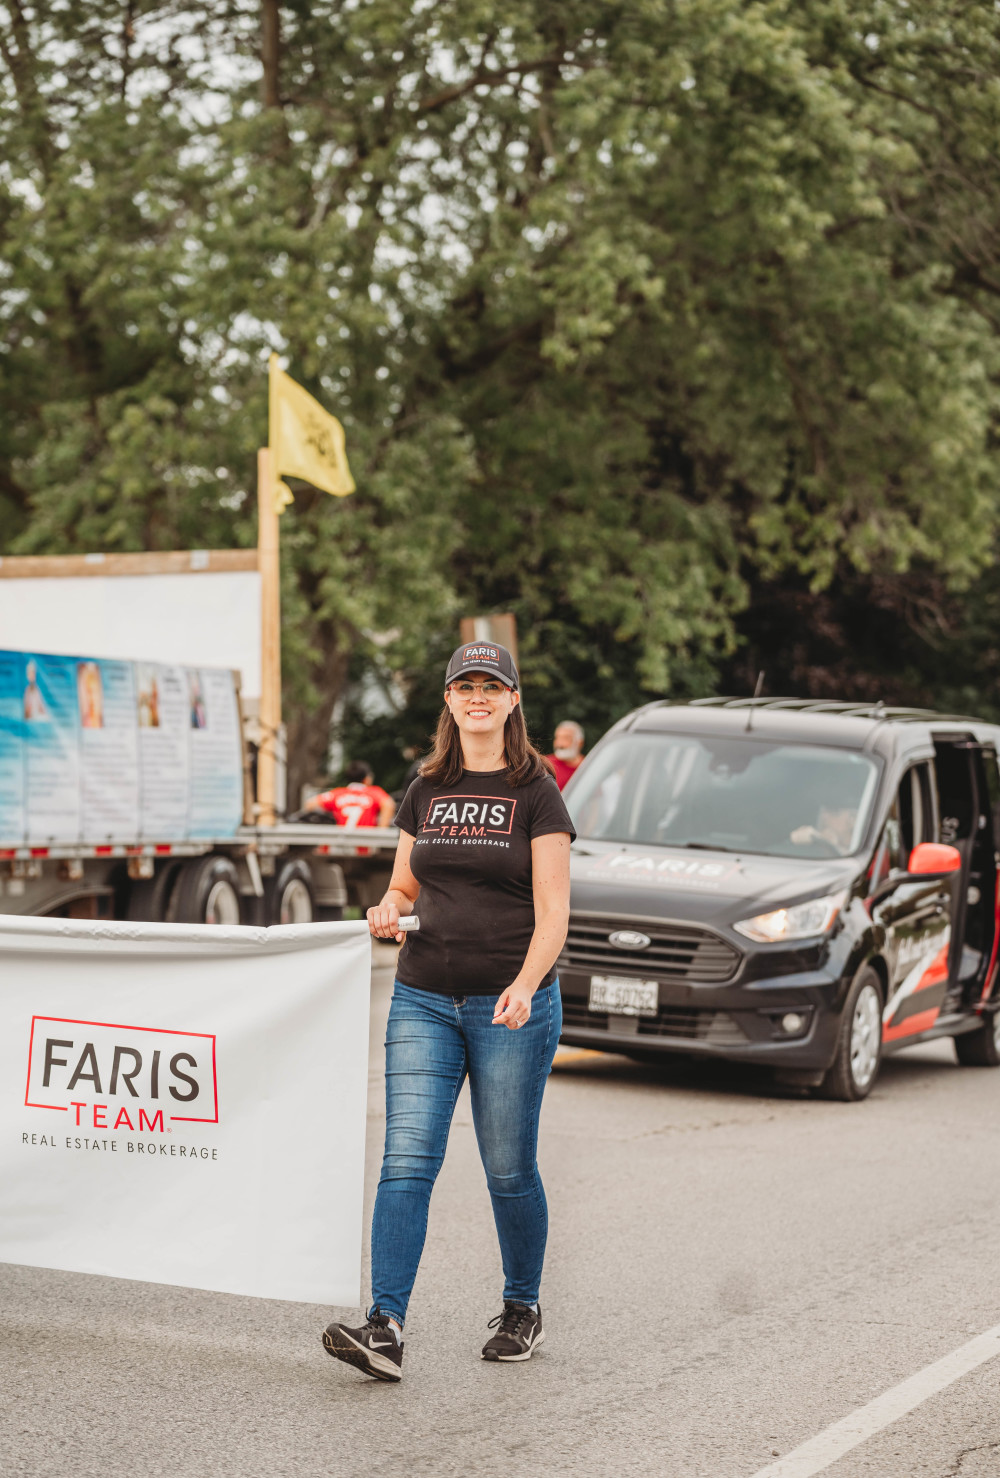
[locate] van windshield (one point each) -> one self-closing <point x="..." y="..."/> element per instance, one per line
<point x="735" y="794"/>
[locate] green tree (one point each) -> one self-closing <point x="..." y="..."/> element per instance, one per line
<point x="634" y="314"/>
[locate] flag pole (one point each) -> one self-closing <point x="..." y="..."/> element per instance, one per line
<point x="268" y="563"/>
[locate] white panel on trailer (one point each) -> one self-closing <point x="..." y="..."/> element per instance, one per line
<point x="203" y="619"/>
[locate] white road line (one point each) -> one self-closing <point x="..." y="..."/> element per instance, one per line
<point x="819" y="1452"/>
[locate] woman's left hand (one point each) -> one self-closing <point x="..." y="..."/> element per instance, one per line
<point x="514" y="1007"/>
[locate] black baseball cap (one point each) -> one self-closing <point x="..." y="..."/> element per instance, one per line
<point x="482" y="656"/>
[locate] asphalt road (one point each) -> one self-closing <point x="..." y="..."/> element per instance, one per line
<point x="729" y="1272"/>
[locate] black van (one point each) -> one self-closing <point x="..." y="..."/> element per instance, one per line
<point x="800" y="884"/>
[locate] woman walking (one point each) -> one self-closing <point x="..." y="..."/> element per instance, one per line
<point x="484" y="844"/>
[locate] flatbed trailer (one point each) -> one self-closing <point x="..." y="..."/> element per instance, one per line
<point x="288" y="873"/>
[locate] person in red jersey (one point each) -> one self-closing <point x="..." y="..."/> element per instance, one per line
<point x="567" y="751"/>
<point x="358" y="803"/>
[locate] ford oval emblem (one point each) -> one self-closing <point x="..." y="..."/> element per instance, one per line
<point x="629" y="939"/>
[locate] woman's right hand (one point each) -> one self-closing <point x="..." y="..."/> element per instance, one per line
<point x="383" y="922"/>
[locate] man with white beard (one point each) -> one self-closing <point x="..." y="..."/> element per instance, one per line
<point x="567" y="751"/>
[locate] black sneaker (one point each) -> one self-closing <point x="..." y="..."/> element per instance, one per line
<point x="373" y="1348"/>
<point x="519" y="1332"/>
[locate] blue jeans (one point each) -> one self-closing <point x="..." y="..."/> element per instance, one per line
<point x="431" y="1043"/>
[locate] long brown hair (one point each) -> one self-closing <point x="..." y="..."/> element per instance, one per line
<point x="444" y="764"/>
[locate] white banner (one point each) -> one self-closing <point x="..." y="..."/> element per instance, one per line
<point x="185" y="1104"/>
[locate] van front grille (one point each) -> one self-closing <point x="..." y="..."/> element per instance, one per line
<point x="675" y="951"/>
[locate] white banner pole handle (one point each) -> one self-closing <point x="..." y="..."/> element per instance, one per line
<point x="407" y="923"/>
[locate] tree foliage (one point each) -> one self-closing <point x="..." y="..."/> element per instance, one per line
<point x="659" y="323"/>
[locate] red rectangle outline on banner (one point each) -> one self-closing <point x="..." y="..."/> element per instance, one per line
<point x="119" y="1026"/>
<point x="430" y="830"/>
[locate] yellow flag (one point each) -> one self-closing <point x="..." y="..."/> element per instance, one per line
<point x="306" y="441"/>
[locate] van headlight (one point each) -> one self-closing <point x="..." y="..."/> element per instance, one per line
<point x="801" y="921"/>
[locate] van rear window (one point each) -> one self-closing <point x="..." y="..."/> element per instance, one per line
<point x="732" y="794"/>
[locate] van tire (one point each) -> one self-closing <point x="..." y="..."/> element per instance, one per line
<point x="208" y="892"/>
<point x="980" y="1048"/>
<point x="861" y="1020"/>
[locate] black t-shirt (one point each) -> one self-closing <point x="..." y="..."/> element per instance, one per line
<point x="472" y="858"/>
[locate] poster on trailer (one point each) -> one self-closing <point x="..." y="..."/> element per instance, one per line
<point x="96" y="752"/>
<point x="51" y="748"/>
<point x="109" y="751"/>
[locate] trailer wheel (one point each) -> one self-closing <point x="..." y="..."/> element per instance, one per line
<point x="980" y="1048"/>
<point x="290" y="897"/>
<point x="208" y="892"/>
<point x="149" y="899"/>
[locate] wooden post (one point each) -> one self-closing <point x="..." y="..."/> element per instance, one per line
<point x="502" y="629"/>
<point x="270" y="644"/>
<point x="270" y="52"/>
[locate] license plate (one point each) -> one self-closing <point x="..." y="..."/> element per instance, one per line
<point x="623" y="996"/>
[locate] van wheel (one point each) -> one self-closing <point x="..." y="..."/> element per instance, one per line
<point x="859" y="1045"/>
<point x="290" y="898"/>
<point x="208" y="893"/>
<point x="980" y="1048"/>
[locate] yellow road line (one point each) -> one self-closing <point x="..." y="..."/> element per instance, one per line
<point x="575" y="1055"/>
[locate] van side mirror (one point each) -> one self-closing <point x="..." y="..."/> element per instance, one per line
<point x="934" y="857"/>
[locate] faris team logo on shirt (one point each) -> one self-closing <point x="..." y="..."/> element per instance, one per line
<point x="470" y="815"/>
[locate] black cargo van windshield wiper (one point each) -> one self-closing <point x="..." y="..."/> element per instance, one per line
<point x="705" y="846"/>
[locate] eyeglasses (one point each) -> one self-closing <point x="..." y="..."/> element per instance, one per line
<point x="487" y="689"/>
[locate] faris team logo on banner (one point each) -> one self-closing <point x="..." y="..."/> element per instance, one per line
<point x="136" y="1079"/>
